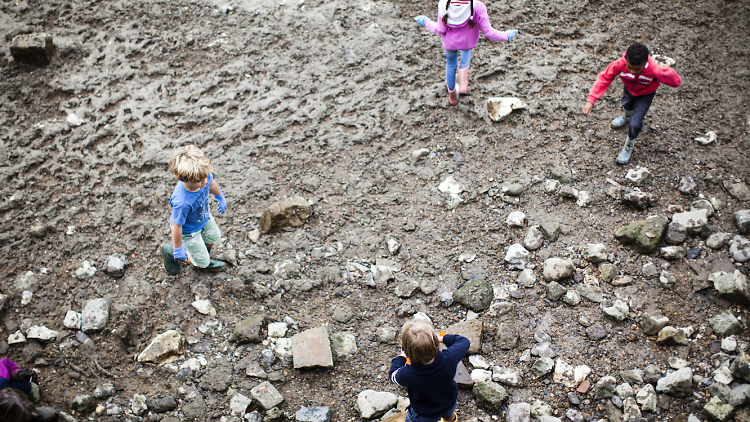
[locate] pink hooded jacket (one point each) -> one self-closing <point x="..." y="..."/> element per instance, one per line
<point x="463" y="37"/>
<point x="644" y="83"/>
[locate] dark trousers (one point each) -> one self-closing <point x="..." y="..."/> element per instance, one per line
<point x="639" y="105"/>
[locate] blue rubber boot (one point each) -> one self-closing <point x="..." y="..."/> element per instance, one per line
<point x="624" y="156"/>
<point x="622" y="120"/>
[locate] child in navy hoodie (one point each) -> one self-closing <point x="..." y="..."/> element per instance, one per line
<point x="428" y="377"/>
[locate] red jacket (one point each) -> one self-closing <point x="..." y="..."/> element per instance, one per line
<point x="648" y="79"/>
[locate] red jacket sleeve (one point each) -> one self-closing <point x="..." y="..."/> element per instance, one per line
<point x="668" y="76"/>
<point x="605" y="79"/>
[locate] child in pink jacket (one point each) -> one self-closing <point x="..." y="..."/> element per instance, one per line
<point x="641" y="76"/>
<point x="459" y="22"/>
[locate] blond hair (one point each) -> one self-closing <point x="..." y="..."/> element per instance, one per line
<point x="419" y="342"/>
<point x="190" y="165"/>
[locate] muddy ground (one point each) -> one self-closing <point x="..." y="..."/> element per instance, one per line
<point x="327" y="101"/>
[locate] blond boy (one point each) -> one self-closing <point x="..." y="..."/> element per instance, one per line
<point x="193" y="227"/>
<point x="433" y="394"/>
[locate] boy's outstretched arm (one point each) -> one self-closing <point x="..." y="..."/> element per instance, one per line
<point x="668" y="76"/>
<point x="216" y="192"/>
<point x="179" y="250"/>
<point x="603" y="80"/>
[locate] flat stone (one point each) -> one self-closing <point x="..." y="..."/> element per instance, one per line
<point x="678" y="383"/>
<point x="406" y="288"/>
<point x="248" y="330"/>
<point x="94" y="316"/>
<point x="556" y="269"/>
<point x="719" y="240"/>
<point x="738" y="190"/>
<point x="672" y="336"/>
<point x="490" y="395"/>
<point x="344" y="345"/>
<point x="33" y="48"/>
<point x="639" y="177"/>
<point x="476" y="295"/>
<point x="594" y="252"/>
<point x="725" y="324"/>
<point x="311" y="348"/>
<point x="676" y="233"/>
<point x="518" y="412"/>
<point x="499" y="108"/>
<point x="472" y="330"/>
<point x="517" y="256"/>
<point x="372" y="404"/>
<point x="534" y="239"/>
<point x="266" y="395"/>
<point x="40" y="332"/>
<point x="561" y="174"/>
<point x="165" y="345"/>
<point x="204" y="306"/>
<point x="313" y="414"/>
<point x="239" y="403"/>
<point x="731" y="286"/>
<point x="693" y="221"/>
<point x="542" y="367"/>
<point x="607" y="272"/>
<point x="507" y="376"/>
<point x="162" y="405"/>
<point x="651" y="325"/>
<point x="555" y="291"/>
<point x="638" y="199"/>
<point x="506" y="337"/>
<point x="292" y="212"/>
<point x="550" y="229"/>
<point x="742" y="221"/>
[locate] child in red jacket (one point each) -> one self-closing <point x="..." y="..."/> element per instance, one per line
<point x="641" y="76"/>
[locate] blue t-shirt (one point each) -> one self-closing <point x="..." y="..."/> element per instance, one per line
<point x="190" y="209"/>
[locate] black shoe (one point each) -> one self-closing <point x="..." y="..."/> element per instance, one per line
<point x="214" y="264"/>
<point x="24" y="375"/>
<point x="172" y="266"/>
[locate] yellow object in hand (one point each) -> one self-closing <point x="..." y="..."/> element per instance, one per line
<point x="442" y="334"/>
<point x="408" y="362"/>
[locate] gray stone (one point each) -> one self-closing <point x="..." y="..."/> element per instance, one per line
<point x="372" y="404"/>
<point x="742" y="221"/>
<point x="446" y="298"/>
<point x="740" y="395"/>
<point x="651" y="325"/>
<point x="639" y="177"/>
<point x="35" y="48"/>
<point x="725" y="324"/>
<point x="561" y="174"/>
<point x="732" y="286"/>
<point x="162" y="405"/>
<point x="638" y="199"/>
<point x="105" y="390"/>
<point x="116" y="265"/>
<point x="649" y="270"/>
<point x="672" y="336"/>
<point x="632" y="376"/>
<point x="676" y="233"/>
<point x="618" y="311"/>
<point x="688" y="185"/>
<point x="507" y="336"/>
<point x="490" y="395"/>
<point x="643" y="235"/>
<point x="739" y="249"/>
<point x="313" y="414"/>
<point x="94" y="316"/>
<point x="630" y="409"/>
<point x="739" y="191"/>
<point x="266" y="395"/>
<point x="694" y="221"/>
<point x="138" y="404"/>
<point x="386" y="335"/>
<point x="556" y="269"/>
<point x="572" y="298"/>
<point x="555" y="291"/>
<point x="238" y="404"/>
<point x="517" y="256"/>
<point x="673" y="252"/>
<point x="740" y="367"/>
<point x="311" y="348"/>
<point x="476" y="295"/>
<point x="472" y="330"/>
<point x="217" y="376"/>
<point x="574" y="415"/>
<point x="526" y="278"/>
<point x="550" y="229"/>
<point x="518" y="412"/>
<point x="624" y="390"/>
<point x="344" y="344"/>
<point x="542" y="367"/>
<point x="248" y="330"/>
<point x="543" y="350"/>
<point x="83" y="404"/>
<point x="255" y="370"/>
<point x="678" y="383"/>
<point x="651" y="374"/>
<point x="568" y="192"/>
<point x="718" y="240"/>
<point x="590" y="292"/>
<point x="26" y="281"/>
<point x="42" y="333"/>
<point x="594" y="252"/>
<point x="551" y="186"/>
<point x="406" y="288"/>
<point x="343" y="313"/>
<point x="646" y="398"/>
<point x="703" y="204"/>
<point x="516" y="219"/>
<point x="86" y="270"/>
<point x="622" y="281"/>
<point x="292" y="212"/>
<point x="507" y="376"/>
<point x="718" y="411"/>
<point x="604" y="388"/>
<point x="381" y="275"/>
<point x="165" y="345"/>
<point x="607" y="272"/>
<point x="534" y="239"/>
<point x="612" y="413"/>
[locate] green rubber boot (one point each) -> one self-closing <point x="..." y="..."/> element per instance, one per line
<point x="214" y="264"/>
<point x="624" y="156"/>
<point x="172" y="266"/>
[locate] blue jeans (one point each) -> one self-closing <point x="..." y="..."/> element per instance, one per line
<point x="639" y="105"/>
<point x="451" y="62"/>
<point x="412" y="416"/>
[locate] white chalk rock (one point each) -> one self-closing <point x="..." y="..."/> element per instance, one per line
<point x="500" y="107"/>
